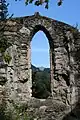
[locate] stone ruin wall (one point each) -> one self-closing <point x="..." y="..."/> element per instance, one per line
<point x="64" y="41"/>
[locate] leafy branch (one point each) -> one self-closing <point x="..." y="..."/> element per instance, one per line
<point x="41" y="2"/>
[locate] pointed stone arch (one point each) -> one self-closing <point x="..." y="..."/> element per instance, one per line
<point x="51" y="46"/>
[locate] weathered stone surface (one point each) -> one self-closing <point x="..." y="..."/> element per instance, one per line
<point x="64" y="41"/>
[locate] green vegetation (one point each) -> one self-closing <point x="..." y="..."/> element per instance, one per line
<point x="4" y="44"/>
<point x="41" y="83"/>
<point x="7" y="58"/>
<point x="17" y="112"/>
<point x="3" y="9"/>
<point x="41" y="2"/>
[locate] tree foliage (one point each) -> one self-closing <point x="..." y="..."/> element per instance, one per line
<point x="41" y="83"/>
<point x="3" y="9"/>
<point x="40" y="2"/>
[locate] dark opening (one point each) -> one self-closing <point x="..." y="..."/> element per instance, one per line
<point x="40" y="59"/>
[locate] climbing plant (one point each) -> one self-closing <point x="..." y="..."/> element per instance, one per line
<point x="4" y="44"/>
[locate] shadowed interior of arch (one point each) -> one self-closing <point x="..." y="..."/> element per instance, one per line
<point x="40" y="64"/>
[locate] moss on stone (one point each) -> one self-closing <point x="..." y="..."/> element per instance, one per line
<point x="7" y="58"/>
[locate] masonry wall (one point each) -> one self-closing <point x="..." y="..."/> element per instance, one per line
<point x="16" y="76"/>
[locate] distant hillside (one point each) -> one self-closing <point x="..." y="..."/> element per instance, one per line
<point x="47" y="70"/>
<point x="34" y="68"/>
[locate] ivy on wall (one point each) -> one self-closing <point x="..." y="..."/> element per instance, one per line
<point x="4" y="44"/>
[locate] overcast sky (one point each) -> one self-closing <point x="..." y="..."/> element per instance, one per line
<point x="68" y="13"/>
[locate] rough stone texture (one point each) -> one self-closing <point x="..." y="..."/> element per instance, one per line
<point x="16" y="77"/>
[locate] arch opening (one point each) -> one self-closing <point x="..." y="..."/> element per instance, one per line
<point x="40" y="65"/>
